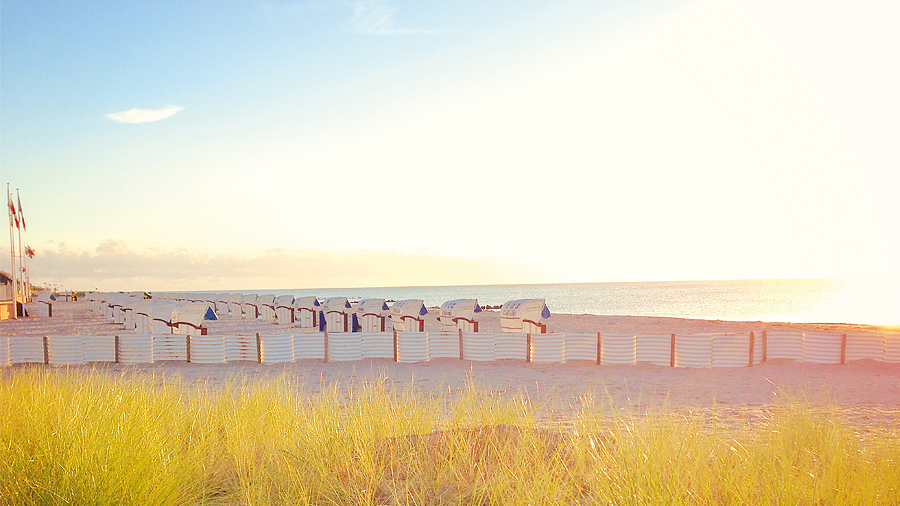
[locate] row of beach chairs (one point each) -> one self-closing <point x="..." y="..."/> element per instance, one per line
<point x="184" y="313"/>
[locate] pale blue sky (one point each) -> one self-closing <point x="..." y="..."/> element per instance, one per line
<point x="469" y="141"/>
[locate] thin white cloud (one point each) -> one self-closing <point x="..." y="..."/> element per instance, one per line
<point x="377" y="17"/>
<point x="143" y="115"/>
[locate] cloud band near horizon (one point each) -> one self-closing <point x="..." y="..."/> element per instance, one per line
<point x="143" y="115"/>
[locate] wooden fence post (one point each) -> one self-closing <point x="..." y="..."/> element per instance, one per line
<point x="46" y="343"/>
<point x="528" y="347"/>
<point x="258" y="348"/>
<point x="843" y="348"/>
<point x="672" y="352"/>
<point x="396" y="346"/>
<point x="326" y="345"/>
<point x="116" y="347"/>
<point x="460" y="344"/>
<point x="765" y="348"/>
<point x="599" y="341"/>
<point x="752" y="345"/>
<point x="187" y="346"/>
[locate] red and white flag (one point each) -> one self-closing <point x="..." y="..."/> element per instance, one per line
<point x="13" y="217"/>
<point x="21" y="214"/>
<point x="29" y="251"/>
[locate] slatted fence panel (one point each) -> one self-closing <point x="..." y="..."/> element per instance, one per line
<point x="731" y="350"/>
<point x="693" y="350"/>
<point x="479" y="346"/>
<point x="241" y="348"/>
<point x="443" y="345"/>
<point x="65" y="350"/>
<point x="26" y="350"/>
<point x="309" y="345"/>
<point x="169" y="347"/>
<point x="99" y="348"/>
<point x="276" y="348"/>
<point x="136" y="348"/>
<point x="581" y="346"/>
<point x="510" y="346"/>
<point x="822" y="348"/>
<point x="207" y="349"/>
<point x="4" y="351"/>
<point x="784" y="344"/>
<point x="548" y="348"/>
<point x="864" y="346"/>
<point x="617" y="349"/>
<point x="892" y="348"/>
<point x="377" y="344"/>
<point x="412" y="346"/>
<point x="653" y="348"/>
<point x="344" y="347"/>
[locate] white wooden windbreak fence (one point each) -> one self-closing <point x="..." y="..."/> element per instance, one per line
<point x="672" y="350"/>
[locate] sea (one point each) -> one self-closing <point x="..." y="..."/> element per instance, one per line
<point x="783" y="300"/>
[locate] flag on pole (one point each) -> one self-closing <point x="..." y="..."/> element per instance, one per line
<point x="21" y="214"/>
<point x="29" y="251"/>
<point x="13" y="217"/>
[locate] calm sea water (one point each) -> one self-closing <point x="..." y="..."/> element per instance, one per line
<point x="816" y="300"/>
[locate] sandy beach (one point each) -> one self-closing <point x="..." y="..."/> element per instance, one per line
<point x="864" y="391"/>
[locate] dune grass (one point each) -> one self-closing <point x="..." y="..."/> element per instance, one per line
<point x="75" y="437"/>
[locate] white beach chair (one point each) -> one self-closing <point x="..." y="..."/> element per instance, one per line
<point x="161" y="316"/>
<point x="306" y="312"/>
<point x="45" y="304"/>
<point x="407" y="315"/>
<point x="524" y="315"/>
<point x="370" y="314"/>
<point x="188" y="318"/>
<point x="266" y="305"/>
<point x="128" y="308"/>
<point x="338" y="315"/>
<point x="234" y="305"/>
<point x="284" y="309"/>
<point x="222" y="304"/>
<point x="142" y="316"/>
<point x="249" y="309"/>
<point x="458" y="315"/>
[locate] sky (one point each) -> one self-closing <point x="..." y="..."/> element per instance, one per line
<point x="335" y="143"/>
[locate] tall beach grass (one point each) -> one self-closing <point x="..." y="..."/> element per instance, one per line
<point x="81" y="437"/>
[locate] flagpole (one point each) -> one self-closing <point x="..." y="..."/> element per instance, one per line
<point x="22" y="263"/>
<point x="12" y="255"/>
